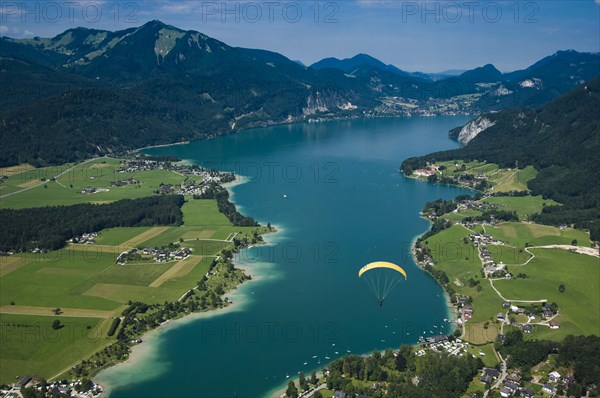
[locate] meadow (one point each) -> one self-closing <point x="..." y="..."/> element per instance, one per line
<point x="31" y="346"/>
<point x="579" y="304"/>
<point x="88" y="286"/>
<point x="66" y="189"/>
<point x="520" y="234"/>
<point x="523" y="205"/>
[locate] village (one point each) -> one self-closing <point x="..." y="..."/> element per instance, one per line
<point x="28" y="385"/>
<point x="513" y="385"/>
<point x="155" y="254"/>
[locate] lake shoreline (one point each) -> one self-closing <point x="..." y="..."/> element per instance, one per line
<point x="281" y="388"/>
<point x="236" y="302"/>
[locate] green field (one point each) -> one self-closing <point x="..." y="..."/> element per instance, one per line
<point x="18" y="180"/>
<point x="518" y="234"/>
<point x="579" y="305"/>
<point x="98" y="173"/>
<point x="201" y="213"/>
<point x="460" y="262"/>
<point x="508" y="254"/>
<point x="501" y="180"/>
<point x="545" y="272"/>
<point x="516" y="180"/>
<point x="116" y="236"/>
<point x="31" y="346"/>
<point x="56" y="279"/>
<point x="86" y="278"/>
<point x="460" y="214"/>
<point x="523" y="205"/>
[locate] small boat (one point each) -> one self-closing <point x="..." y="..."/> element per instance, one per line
<point x="336" y="353"/>
<point x="333" y="345"/>
<point x="287" y="376"/>
<point x="327" y="358"/>
<point x="284" y="196"/>
<point x="314" y="356"/>
<point x="348" y="351"/>
<point x="305" y="363"/>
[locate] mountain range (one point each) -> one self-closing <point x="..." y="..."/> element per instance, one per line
<point x="88" y="92"/>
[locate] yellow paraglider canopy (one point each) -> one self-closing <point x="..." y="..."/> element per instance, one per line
<point x="381" y="264"/>
<point x="382" y="278"/>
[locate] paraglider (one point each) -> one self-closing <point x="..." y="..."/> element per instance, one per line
<point x="382" y="277"/>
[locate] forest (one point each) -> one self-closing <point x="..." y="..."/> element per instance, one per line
<point x="48" y="228"/>
<point x="439" y="375"/>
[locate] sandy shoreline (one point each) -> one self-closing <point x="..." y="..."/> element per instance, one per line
<point x="144" y="351"/>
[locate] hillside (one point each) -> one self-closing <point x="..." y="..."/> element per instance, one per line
<point x="89" y="92"/>
<point x="561" y="140"/>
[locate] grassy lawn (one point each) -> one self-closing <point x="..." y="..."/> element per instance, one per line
<point x="523" y="205"/>
<point x="489" y="359"/>
<point x="31" y="346"/>
<point x="518" y="234"/>
<point x="579" y="305"/>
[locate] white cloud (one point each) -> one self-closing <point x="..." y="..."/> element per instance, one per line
<point x="28" y="33"/>
<point x="4" y="29"/>
<point x="184" y="7"/>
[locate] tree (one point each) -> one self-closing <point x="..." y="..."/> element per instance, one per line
<point x="318" y="394"/>
<point x="561" y="288"/>
<point x="402" y="357"/>
<point x="85" y="385"/>
<point x="302" y="382"/>
<point x="291" y="391"/>
<point x="574" y="242"/>
<point x="313" y="377"/>
<point x="56" y="324"/>
<point x="56" y="311"/>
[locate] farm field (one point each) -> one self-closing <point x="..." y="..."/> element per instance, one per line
<point x="66" y="190"/>
<point x="85" y="282"/>
<point x="579" y="304"/>
<point x="545" y="272"/>
<point x="523" y="205"/>
<point x="519" y="234"/>
<point x="31" y="346"/>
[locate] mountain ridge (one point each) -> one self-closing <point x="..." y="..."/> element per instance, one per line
<point x="202" y="87"/>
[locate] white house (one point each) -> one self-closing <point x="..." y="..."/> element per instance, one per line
<point x="554" y="376"/>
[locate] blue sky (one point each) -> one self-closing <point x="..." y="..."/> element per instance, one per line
<point x="424" y="35"/>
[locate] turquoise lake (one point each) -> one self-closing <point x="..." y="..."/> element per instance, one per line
<point x="336" y="192"/>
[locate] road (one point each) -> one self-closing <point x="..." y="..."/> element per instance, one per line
<point x="502" y="374"/>
<point x="513" y="301"/>
<point x="56" y="177"/>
